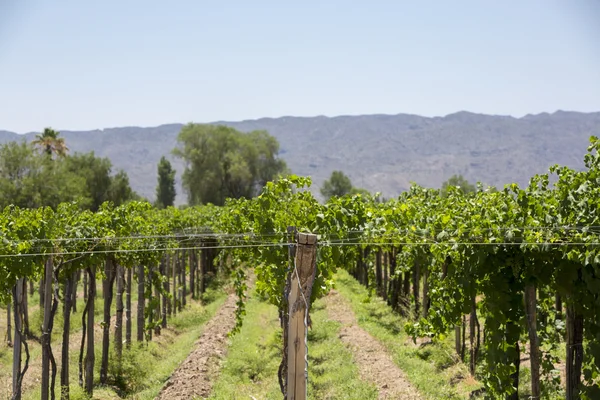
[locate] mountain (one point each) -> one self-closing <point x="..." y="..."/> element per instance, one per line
<point x="379" y="152"/>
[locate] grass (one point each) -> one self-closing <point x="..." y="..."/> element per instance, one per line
<point x="333" y="373"/>
<point x="250" y="369"/>
<point x="432" y="368"/>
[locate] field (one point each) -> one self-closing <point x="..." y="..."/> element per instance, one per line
<point x="348" y="359"/>
<point x="438" y="294"/>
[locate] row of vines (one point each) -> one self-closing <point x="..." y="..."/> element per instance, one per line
<point x="169" y="257"/>
<point x="520" y="268"/>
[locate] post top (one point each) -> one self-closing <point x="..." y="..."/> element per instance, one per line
<point x="307" y="238"/>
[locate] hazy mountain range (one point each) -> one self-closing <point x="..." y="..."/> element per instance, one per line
<point x="379" y="152"/>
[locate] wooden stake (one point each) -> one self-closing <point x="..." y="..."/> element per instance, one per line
<point x="8" y="326"/>
<point x="302" y="279"/>
<point x="534" y="355"/>
<point x="17" y="304"/>
<point x="46" y="339"/>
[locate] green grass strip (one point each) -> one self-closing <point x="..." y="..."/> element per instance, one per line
<point x="250" y="369"/>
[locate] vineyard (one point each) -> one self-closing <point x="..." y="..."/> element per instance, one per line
<point x="504" y="273"/>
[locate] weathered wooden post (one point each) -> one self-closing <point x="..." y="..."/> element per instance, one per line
<point x="301" y="278"/>
<point x="46" y="328"/>
<point x="8" y="325"/>
<point x="17" y="373"/>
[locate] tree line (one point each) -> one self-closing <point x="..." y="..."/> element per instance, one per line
<point x="220" y="163"/>
<point x="42" y="173"/>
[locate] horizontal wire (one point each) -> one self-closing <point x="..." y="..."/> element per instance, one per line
<point x="139" y="237"/>
<point x="284" y="244"/>
<point x="184" y="236"/>
<point x="554" y="227"/>
<point x="464" y="244"/>
<point x="149" y="250"/>
<point x="158" y="239"/>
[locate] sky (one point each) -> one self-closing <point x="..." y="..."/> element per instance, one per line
<point x="79" y="65"/>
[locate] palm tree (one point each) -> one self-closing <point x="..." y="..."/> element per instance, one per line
<point x="50" y="143"/>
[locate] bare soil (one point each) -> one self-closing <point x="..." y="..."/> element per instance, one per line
<point x="374" y="363"/>
<point x="196" y="375"/>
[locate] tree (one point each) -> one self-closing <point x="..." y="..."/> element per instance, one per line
<point x="338" y="184"/>
<point x="99" y="185"/>
<point x="96" y="172"/>
<point x="50" y="143"/>
<point x="165" y="190"/>
<point x="55" y="184"/>
<point x="120" y="191"/>
<point x="460" y="182"/>
<point x="268" y="166"/>
<point x="18" y="168"/>
<point x="28" y="179"/>
<point x="222" y="162"/>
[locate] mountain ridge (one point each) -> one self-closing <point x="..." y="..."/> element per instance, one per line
<point x="380" y="152"/>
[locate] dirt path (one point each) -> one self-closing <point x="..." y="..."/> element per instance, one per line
<point x="374" y="363"/>
<point x="197" y="374"/>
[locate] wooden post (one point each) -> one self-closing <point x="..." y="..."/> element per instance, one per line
<point x="192" y="264"/>
<point x="165" y="277"/>
<point x="64" y="365"/>
<point x="85" y="286"/>
<point x="46" y="331"/>
<point x="17" y="304"/>
<point x="174" y="270"/>
<point x="457" y="339"/>
<point x="534" y="355"/>
<point x="128" y="322"/>
<point x="90" y="356"/>
<point x="8" y="326"/>
<point x="25" y="310"/>
<point x="118" y="346"/>
<point x="141" y="305"/>
<point x="183" y="271"/>
<point x="76" y="279"/>
<point x="168" y="283"/>
<point x="379" y="272"/>
<point x="302" y="278"/>
<point x="385" y="275"/>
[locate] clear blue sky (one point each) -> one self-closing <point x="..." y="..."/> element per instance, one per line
<point x="87" y="64"/>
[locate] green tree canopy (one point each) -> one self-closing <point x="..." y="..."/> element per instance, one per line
<point x="222" y="162"/>
<point x="30" y="179"/>
<point x="338" y="184"/>
<point x="460" y="182"/>
<point x="96" y="172"/>
<point x="165" y="190"/>
<point x="100" y="184"/>
<point x="120" y="191"/>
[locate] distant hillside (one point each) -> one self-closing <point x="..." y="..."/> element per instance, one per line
<point x="379" y="152"/>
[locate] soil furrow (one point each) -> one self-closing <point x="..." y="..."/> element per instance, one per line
<point x="374" y="363"/>
<point x="196" y="375"/>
